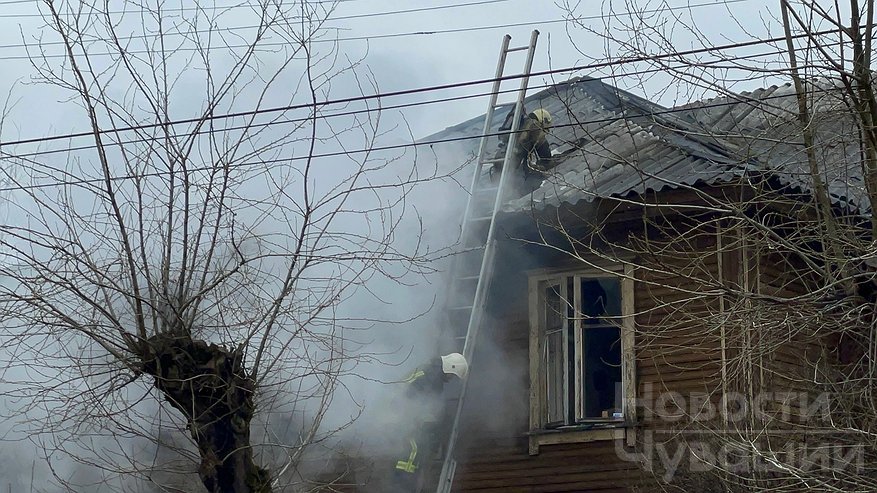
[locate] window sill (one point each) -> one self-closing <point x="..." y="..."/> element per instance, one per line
<point x="593" y="432"/>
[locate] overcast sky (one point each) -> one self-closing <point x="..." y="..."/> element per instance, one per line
<point x="464" y="47"/>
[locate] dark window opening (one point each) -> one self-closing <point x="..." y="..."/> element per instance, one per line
<point x="582" y="350"/>
<point x="602" y="372"/>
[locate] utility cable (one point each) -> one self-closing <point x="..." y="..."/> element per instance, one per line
<point x="369" y="110"/>
<point x="348" y="152"/>
<point x="405" y="92"/>
<point x="375" y="36"/>
<point x="238" y="5"/>
<point x="12" y="2"/>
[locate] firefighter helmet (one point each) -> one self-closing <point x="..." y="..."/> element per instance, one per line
<point x="542" y="116"/>
<point x="455" y="364"/>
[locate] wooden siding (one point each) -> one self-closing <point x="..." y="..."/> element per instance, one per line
<point x="686" y="346"/>
<point x="569" y="467"/>
<point x="675" y="353"/>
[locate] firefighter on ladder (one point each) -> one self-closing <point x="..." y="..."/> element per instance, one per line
<point x="424" y="387"/>
<point x="532" y="154"/>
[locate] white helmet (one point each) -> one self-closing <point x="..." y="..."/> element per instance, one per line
<point x="542" y="116"/>
<point x="456" y="364"/>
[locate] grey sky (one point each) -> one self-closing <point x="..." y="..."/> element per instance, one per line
<point x="397" y="63"/>
<point x="401" y="62"/>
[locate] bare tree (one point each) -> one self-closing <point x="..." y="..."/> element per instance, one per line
<point x="186" y="276"/>
<point x="793" y="215"/>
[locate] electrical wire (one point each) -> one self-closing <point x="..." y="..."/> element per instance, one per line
<point x="348" y="152"/>
<point x="171" y="9"/>
<point x="370" y="110"/>
<point x="404" y="92"/>
<point x="12" y="2"/>
<point x="376" y="36"/>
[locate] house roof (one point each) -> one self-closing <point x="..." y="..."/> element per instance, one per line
<point x="764" y="126"/>
<point x="613" y="143"/>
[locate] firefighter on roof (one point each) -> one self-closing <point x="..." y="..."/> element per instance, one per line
<point x="532" y="154"/>
<point x="423" y="392"/>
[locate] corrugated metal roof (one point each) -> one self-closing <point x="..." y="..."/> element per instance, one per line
<point x="763" y="126"/>
<point x="613" y="143"/>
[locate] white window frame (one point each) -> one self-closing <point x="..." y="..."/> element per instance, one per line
<point x="538" y="281"/>
<point x="564" y="331"/>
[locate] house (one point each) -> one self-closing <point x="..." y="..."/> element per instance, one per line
<point x="651" y="317"/>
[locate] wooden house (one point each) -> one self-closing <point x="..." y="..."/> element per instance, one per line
<point x="652" y="303"/>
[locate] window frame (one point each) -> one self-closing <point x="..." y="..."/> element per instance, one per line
<point x="563" y="329"/>
<point x="540" y="433"/>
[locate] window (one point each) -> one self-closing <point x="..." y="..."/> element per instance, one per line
<point x="581" y="350"/>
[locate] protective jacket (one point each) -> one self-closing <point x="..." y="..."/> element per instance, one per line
<point x="424" y="386"/>
<point x="426" y="380"/>
<point x="531" y="139"/>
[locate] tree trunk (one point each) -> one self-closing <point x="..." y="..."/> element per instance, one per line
<point x="208" y="385"/>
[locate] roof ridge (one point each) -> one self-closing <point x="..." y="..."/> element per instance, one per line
<point x="823" y="83"/>
<point x="738" y="96"/>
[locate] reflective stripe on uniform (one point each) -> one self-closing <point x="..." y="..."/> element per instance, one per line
<point x="414" y="376"/>
<point x="409" y="465"/>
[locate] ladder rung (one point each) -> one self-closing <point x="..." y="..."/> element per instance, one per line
<point x="468" y="278"/>
<point x="474" y="240"/>
<point x="520" y="48"/>
<point x="487" y="189"/>
<point x="481" y="218"/>
<point x="493" y="160"/>
<point x="460" y="308"/>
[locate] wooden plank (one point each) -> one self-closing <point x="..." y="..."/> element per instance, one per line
<point x="536" y="391"/>
<point x="489" y="456"/>
<point x="600" y="477"/>
<point x="579" y="363"/>
<point x="580" y="436"/>
<point x="628" y="350"/>
<point x="512" y="466"/>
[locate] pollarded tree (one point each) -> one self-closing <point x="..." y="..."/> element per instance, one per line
<point x="187" y="273"/>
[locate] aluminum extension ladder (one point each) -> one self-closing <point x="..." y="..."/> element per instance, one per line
<point x="474" y="267"/>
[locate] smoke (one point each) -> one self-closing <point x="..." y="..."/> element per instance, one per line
<point x="408" y="310"/>
<point x="374" y="336"/>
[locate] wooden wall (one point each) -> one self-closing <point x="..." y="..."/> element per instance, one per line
<point x="687" y="284"/>
<point x="690" y="276"/>
<point x="678" y="354"/>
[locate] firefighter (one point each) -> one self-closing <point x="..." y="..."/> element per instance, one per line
<point x="532" y="154"/>
<point x="424" y="389"/>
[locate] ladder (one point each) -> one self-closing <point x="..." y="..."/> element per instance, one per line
<point x="473" y="268"/>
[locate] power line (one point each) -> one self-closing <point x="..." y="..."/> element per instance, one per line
<point x="369" y="37"/>
<point x="282" y="122"/>
<point x="12" y="2"/>
<point x="405" y="92"/>
<point x="266" y="45"/>
<point x="171" y="9"/>
<point x="262" y="162"/>
<point x="370" y="110"/>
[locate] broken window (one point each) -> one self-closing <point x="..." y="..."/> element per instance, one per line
<point x="580" y="344"/>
